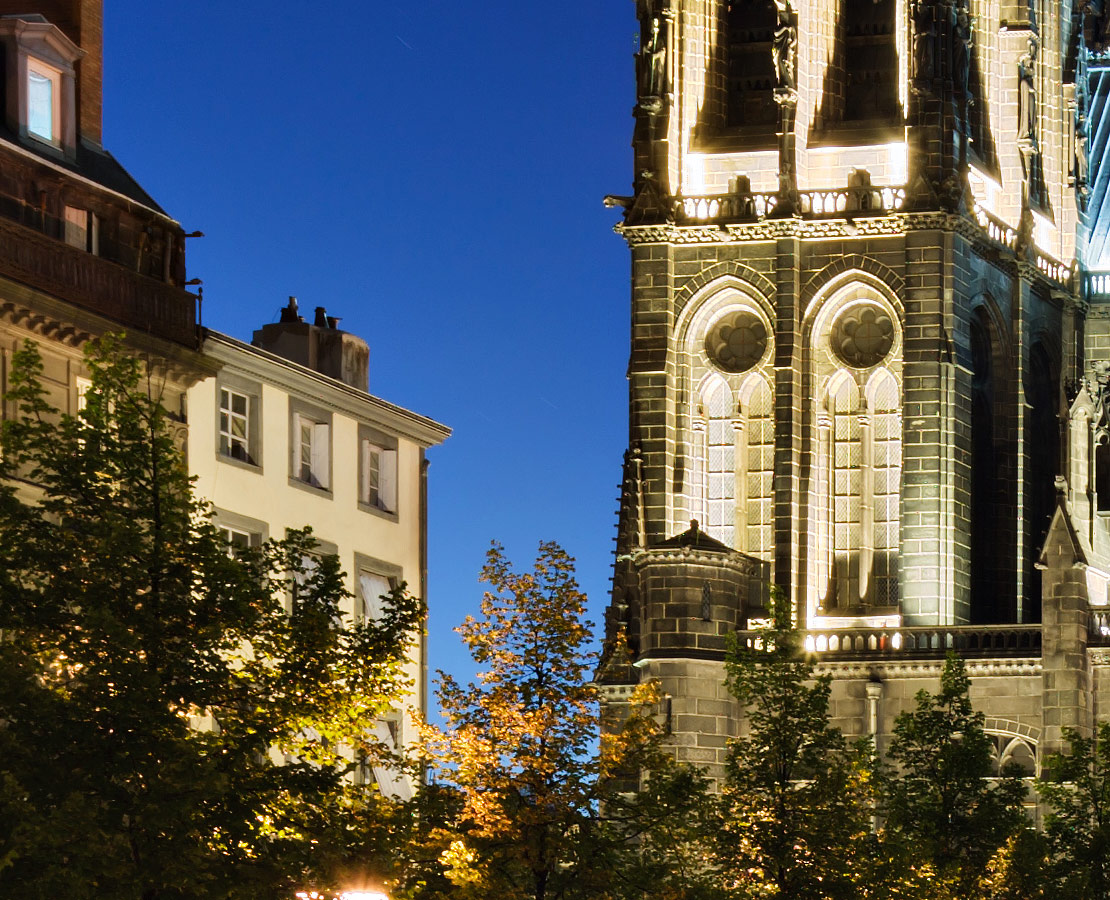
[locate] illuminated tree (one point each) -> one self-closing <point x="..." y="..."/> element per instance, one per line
<point x="548" y="812"/>
<point x="167" y="728"/>
<point x="795" y="804"/>
<point x="1076" y="790"/>
<point x="942" y="802"/>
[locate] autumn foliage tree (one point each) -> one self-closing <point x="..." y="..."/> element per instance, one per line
<point x="168" y="727"/>
<point x="544" y="814"/>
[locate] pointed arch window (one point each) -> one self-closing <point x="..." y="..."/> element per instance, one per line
<point x="885" y="488"/>
<point x="845" y="457"/>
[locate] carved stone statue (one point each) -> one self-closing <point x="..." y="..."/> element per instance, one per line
<point x="1027" y="96"/>
<point x="784" y="51"/>
<point x="924" y="41"/>
<point x="653" y="58"/>
<point x="1082" y="162"/>
<point x="961" y="52"/>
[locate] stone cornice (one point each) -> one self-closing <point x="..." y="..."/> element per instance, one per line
<point x="892" y="225"/>
<point x="695" y="556"/>
<point x="927" y="668"/>
<point x="295" y="379"/>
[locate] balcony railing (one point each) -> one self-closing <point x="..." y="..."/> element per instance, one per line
<point x="918" y="642"/>
<point x="97" y="285"/>
<point x="831" y="203"/>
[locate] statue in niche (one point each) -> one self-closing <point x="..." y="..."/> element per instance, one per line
<point x="1082" y="162"/>
<point x="784" y="49"/>
<point x="924" y="41"/>
<point x="961" y="51"/>
<point x="653" y="51"/>
<point x="1027" y="96"/>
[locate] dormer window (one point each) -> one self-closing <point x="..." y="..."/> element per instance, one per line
<point x="44" y="95"/>
<point x="40" y="91"/>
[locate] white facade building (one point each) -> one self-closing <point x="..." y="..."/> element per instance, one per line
<point x="277" y="444"/>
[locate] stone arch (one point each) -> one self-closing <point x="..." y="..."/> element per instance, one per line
<point x="861" y="268"/>
<point x="853" y="455"/>
<point x="704" y="288"/>
<point x="707" y="313"/>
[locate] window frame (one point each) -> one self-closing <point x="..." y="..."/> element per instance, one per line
<point x="300" y="413"/>
<point x="369" y="565"/>
<point x="257" y="530"/>
<point x="387" y="503"/>
<point x="253" y="392"/>
<point x="53" y="75"/>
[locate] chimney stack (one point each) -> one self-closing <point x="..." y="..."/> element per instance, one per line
<point x="82" y="21"/>
<point x="321" y="346"/>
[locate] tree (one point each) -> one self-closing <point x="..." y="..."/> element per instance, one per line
<point x="545" y="812"/>
<point x="1076" y="791"/>
<point x="795" y="803"/>
<point x="168" y="729"/>
<point x="942" y="803"/>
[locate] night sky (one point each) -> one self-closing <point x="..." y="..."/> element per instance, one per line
<point x="432" y="173"/>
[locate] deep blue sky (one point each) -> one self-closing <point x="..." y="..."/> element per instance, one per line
<point x="431" y="172"/>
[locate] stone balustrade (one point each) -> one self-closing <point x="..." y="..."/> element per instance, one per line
<point x="965" y="640"/>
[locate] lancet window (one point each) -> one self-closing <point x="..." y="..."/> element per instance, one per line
<point x="858" y="455"/>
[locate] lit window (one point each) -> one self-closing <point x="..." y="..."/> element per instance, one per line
<point x="311" y="451"/>
<point x="43" y="102"/>
<point x="379" y="477"/>
<point x="84" y="385"/>
<point x="235" y="425"/>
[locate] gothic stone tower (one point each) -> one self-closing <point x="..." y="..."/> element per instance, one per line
<point x="859" y="312"/>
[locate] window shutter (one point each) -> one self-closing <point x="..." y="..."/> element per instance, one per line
<point x="295" y="439"/>
<point x="387" y="489"/>
<point x="364" y="481"/>
<point x="320" y="455"/>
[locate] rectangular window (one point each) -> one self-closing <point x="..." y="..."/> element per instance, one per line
<point x="311" y="451"/>
<point x="235" y="430"/>
<point x="371" y="587"/>
<point x="238" y="538"/>
<point x="43" y="102"/>
<point x="82" y="229"/>
<point x="379" y="477"/>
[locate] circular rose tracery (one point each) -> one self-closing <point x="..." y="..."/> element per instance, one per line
<point x="862" y="336"/>
<point x="737" y="342"/>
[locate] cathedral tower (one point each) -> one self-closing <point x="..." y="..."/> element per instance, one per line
<point x="859" y="304"/>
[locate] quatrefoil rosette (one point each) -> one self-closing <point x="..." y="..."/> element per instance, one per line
<point x="737" y="342"/>
<point x="862" y="336"/>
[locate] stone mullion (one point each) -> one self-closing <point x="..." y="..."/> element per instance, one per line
<point x="1023" y="543"/>
<point x="866" y="507"/>
<point x="741" y="462"/>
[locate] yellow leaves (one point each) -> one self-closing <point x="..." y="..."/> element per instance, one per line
<point x="461" y="866"/>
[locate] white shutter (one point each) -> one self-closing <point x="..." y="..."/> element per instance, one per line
<point x="387" y="486"/>
<point x="392" y="783"/>
<point x="364" y="483"/>
<point x="320" y="455"/>
<point x="295" y="438"/>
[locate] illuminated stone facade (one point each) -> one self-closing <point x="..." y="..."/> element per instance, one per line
<point x="865" y="359"/>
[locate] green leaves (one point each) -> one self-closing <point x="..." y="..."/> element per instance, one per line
<point x="171" y="729"/>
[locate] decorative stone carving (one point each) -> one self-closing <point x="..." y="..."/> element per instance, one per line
<point x="962" y="37"/>
<point x="654" y="21"/>
<point x="784" y="48"/>
<point x="737" y="343"/>
<point x="1027" y="96"/>
<point x="862" y="336"/>
<point x="924" y="43"/>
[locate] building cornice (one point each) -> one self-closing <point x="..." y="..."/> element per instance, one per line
<point x="261" y="365"/>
